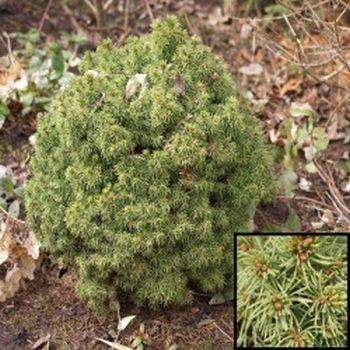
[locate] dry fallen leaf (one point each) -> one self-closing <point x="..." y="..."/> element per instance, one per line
<point x="274" y="136"/>
<point x="114" y="345"/>
<point x="291" y="85"/>
<point x="328" y="218"/>
<point x="346" y="187"/>
<point x="136" y="82"/>
<point x="332" y="131"/>
<point x="246" y="31"/>
<point x="252" y="69"/>
<point x="216" y="16"/>
<point x="12" y="78"/>
<point x="20" y="248"/>
<point x="180" y="85"/>
<point x="9" y="75"/>
<point x="304" y="184"/>
<point x="125" y="321"/>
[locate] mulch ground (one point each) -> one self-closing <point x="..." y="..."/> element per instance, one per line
<point x="48" y="305"/>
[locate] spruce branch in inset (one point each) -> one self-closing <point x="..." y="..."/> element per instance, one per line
<point x="292" y="291"/>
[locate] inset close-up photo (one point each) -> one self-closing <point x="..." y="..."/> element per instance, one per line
<point x="291" y="291"/>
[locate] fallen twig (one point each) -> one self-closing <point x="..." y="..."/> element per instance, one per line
<point x="107" y="5"/>
<point x="40" y="342"/>
<point x="149" y="10"/>
<point x="99" y="14"/>
<point x="74" y="22"/>
<point x="334" y="195"/>
<point x="126" y="14"/>
<point x="42" y="21"/>
<point x="8" y="215"/>
<point x="223" y="332"/>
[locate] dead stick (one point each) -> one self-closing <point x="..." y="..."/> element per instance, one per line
<point x="126" y="14"/>
<point x="47" y="8"/>
<point x="99" y="13"/>
<point x="149" y="10"/>
<point x="74" y="22"/>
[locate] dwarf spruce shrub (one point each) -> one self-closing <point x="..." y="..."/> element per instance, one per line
<point x="144" y="167"/>
<point x="292" y="291"/>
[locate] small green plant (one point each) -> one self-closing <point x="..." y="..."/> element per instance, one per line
<point x="269" y="8"/>
<point x="144" y="167"/>
<point x="292" y="291"/>
<point x="10" y="196"/>
<point x="42" y="70"/>
<point x="304" y="140"/>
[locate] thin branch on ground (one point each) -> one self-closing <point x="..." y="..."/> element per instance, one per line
<point x="9" y="216"/>
<point x="334" y="193"/>
<point x="7" y="45"/>
<point x="99" y="14"/>
<point x="91" y="6"/>
<point x="149" y="10"/>
<point x="73" y="20"/>
<point x="46" y="11"/>
<point x="126" y="14"/>
<point x="107" y="5"/>
<point x="223" y="332"/>
<point x="311" y="200"/>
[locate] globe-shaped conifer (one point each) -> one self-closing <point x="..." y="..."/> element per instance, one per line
<point x="144" y="167"/>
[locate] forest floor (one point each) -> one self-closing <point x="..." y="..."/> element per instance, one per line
<point x="309" y="200"/>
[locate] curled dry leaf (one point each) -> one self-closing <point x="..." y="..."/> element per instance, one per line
<point x="217" y="299"/>
<point x="292" y="84"/>
<point x="180" y="85"/>
<point x="251" y="69"/>
<point x="304" y="184"/>
<point x="346" y="187"/>
<point x="3" y="171"/>
<point x="246" y="31"/>
<point x="125" y="321"/>
<point x="134" y="84"/>
<point x="19" y="249"/>
<point x="11" y="78"/>
<point x="328" y="218"/>
<point x="9" y="75"/>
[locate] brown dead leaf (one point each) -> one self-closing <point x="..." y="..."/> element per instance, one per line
<point x="9" y="75"/>
<point x="292" y="84"/>
<point x="180" y="85"/>
<point x="328" y="218"/>
<point x="332" y="131"/>
<point x="344" y="78"/>
<point x="252" y="69"/>
<point x="274" y="136"/>
<point x="217" y="17"/>
<point x="20" y="249"/>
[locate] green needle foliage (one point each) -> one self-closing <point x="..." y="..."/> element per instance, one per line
<point x="292" y="291"/>
<point x="142" y="169"/>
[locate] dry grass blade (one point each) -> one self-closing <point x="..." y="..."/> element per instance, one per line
<point x="40" y="342"/>
<point x="114" y="345"/>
